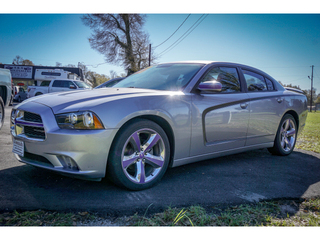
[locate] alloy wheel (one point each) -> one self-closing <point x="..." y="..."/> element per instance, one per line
<point x="143" y="156"/>
<point x="288" y="135"/>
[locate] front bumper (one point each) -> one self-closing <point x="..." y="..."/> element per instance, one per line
<point x="81" y="153"/>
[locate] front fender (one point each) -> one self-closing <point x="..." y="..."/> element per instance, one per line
<point x="175" y="110"/>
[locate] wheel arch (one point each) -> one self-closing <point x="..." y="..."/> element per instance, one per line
<point x="295" y="116"/>
<point x="162" y="123"/>
<point x="3" y="94"/>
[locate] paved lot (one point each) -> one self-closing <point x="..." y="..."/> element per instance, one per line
<point x="241" y="178"/>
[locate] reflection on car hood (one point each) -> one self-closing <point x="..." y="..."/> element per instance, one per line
<point x="85" y="100"/>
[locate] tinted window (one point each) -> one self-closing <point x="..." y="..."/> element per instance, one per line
<point x="45" y="84"/>
<point x="51" y="73"/>
<point x="64" y="84"/>
<point x="110" y="84"/>
<point x="269" y="84"/>
<point x="173" y="77"/>
<point x="255" y="82"/>
<point x="81" y="84"/>
<point x="67" y="84"/>
<point x="227" y="76"/>
<point x="56" y="84"/>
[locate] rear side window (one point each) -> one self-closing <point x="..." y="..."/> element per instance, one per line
<point x="45" y="84"/>
<point x="255" y="82"/>
<point x="64" y="84"/>
<point x="269" y="84"/>
<point x="227" y="76"/>
<point x="56" y="84"/>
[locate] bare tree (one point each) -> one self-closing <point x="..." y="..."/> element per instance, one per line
<point x="17" y="60"/>
<point x="119" y="37"/>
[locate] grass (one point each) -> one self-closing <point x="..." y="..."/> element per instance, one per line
<point x="271" y="213"/>
<point x="268" y="213"/>
<point x="274" y="213"/>
<point x="43" y="218"/>
<point x="309" y="139"/>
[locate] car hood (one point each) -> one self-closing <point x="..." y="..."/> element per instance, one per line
<point x="86" y="100"/>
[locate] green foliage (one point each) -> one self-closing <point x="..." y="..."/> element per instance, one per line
<point x="309" y="138"/>
<point x="306" y="213"/>
<point x="42" y="218"/>
<point x="96" y="79"/>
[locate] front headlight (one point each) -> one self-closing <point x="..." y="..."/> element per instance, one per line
<point x="79" y="120"/>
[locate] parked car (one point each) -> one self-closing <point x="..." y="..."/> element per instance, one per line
<point x="21" y="95"/>
<point x="110" y="83"/>
<point x="5" y="91"/>
<point x="56" y="85"/>
<point x="163" y="116"/>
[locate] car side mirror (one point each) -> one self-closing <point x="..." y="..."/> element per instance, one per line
<point x="73" y="87"/>
<point x="212" y="86"/>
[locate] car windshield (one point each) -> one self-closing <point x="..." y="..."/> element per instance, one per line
<point x="81" y="84"/>
<point x="173" y="77"/>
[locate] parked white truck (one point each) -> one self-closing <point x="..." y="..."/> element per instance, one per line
<point x="56" y="85"/>
<point x="5" y="91"/>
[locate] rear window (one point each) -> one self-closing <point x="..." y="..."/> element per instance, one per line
<point x="45" y="84"/>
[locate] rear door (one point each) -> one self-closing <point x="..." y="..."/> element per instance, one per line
<point x="266" y="108"/>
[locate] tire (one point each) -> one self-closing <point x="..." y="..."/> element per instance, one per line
<point x="19" y="99"/>
<point x="139" y="155"/>
<point x="1" y="112"/>
<point x="38" y="93"/>
<point x="286" y="137"/>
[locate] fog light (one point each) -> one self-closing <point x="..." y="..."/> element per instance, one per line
<point x="68" y="163"/>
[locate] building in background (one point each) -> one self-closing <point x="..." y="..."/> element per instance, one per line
<point x="25" y="75"/>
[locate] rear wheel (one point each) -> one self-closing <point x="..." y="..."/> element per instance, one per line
<point x="1" y="112"/>
<point x="139" y="155"/>
<point x="286" y="136"/>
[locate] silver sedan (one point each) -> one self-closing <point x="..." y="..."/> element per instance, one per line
<point x="164" y="116"/>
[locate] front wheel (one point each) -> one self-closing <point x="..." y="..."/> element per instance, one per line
<point x="139" y="155"/>
<point x="286" y="137"/>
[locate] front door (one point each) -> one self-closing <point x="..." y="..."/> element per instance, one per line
<point x="220" y="119"/>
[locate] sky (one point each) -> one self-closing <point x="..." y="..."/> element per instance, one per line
<point x="283" y="45"/>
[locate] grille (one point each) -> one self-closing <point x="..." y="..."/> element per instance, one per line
<point x="32" y="125"/>
<point x="37" y="158"/>
<point x="32" y="117"/>
<point x="34" y="132"/>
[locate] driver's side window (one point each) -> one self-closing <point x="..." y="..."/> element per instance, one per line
<point x="227" y="76"/>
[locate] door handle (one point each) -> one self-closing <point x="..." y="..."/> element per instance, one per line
<point x="244" y="105"/>
<point x="279" y="100"/>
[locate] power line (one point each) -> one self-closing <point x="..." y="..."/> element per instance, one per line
<point x="190" y="30"/>
<point x="96" y="65"/>
<point x="174" y="32"/>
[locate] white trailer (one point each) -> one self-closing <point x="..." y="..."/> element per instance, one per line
<point x="41" y="75"/>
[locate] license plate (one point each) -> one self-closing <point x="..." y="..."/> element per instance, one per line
<point x="18" y="147"/>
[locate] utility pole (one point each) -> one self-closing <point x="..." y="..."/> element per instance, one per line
<point x="149" y="55"/>
<point x="311" y="88"/>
